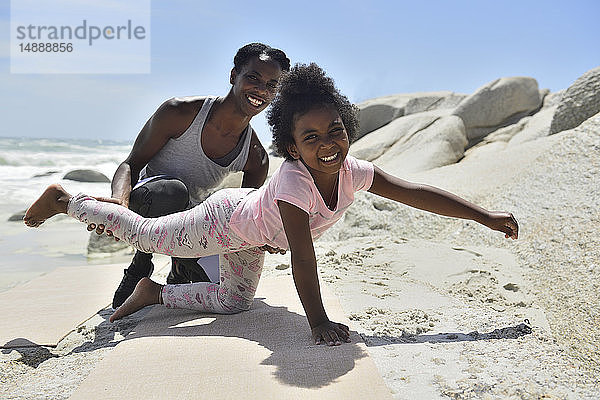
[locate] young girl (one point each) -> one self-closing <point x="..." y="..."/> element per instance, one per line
<point x="313" y="125"/>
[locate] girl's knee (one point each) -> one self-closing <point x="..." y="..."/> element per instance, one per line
<point x="237" y="306"/>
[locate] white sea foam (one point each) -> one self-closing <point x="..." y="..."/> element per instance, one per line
<point x="27" y="166"/>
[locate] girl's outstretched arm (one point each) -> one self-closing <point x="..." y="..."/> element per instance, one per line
<point x="435" y="200"/>
<point x="304" y="270"/>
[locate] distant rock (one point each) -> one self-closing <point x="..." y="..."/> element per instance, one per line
<point x="378" y="112"/>
<point x="45" y="174"/>
<point x="433" y="101"/>
<point x="375" y="113"/>
<point x="86" y="175"/>
<point x="106" y="244"/>
<point x="17" y="217"/>
<point x="232" y="180"/>
<point x="505" y="133"/>
<point x="543" y="94"/>
<point x="498" y="103"/>
<point x="526" y="129"/>
<point x="440" y="143"/>
<point x="537" y="126"/>
<point x="578" y="103"/>
<point x="483" y="150"/>
<point x="379" y="141"/>
<point x="553" y="99"/>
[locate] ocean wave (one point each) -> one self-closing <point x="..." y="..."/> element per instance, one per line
<point x="40" y="159"/>
<point x="18" y="152"/>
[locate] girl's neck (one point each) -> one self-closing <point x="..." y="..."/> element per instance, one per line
<point x="327" y="185"/>
<point x="331" y="202"/>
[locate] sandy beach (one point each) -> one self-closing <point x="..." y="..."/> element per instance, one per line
<point x="447" y="308"/>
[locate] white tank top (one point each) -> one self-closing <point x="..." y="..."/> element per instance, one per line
<point x="183" y="158"/>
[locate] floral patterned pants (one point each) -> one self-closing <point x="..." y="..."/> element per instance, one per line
<point x="198" y="232"/>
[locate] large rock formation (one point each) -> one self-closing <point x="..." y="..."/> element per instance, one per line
<point x="537" y="126"/>
<point x="579" y="102"/>
<point x="379" y="141"/>
<point x="498" y="103"/>
<point x="375" y="113"/>
<point x="441" y="143"/>
<point x="378" y="112"/>
<point x="526" y="129"/>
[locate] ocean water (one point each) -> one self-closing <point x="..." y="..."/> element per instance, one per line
<point x="27" y="166"/>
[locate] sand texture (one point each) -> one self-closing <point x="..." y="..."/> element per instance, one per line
<point x="261" y="353"/>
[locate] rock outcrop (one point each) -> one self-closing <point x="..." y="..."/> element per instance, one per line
<point x="379" y="141"/>
<point x="441" y="143"/>
<point x="86" y="175"/>
<point x="99" y="244"/>
<point x="578" y="103"/>
<point x="17" y="217"/>
<point x="378" y="112"/>
<point x="414" y="132"/>
<point x="415" y="142"/>
<point x="498" y="103"/>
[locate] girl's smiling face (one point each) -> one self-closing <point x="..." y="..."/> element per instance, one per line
<point x="320" y="141"/>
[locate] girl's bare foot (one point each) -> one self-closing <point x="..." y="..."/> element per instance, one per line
<point x="146" y="292"/>
<point x="53" y="201"/>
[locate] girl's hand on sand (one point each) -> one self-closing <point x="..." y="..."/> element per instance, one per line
<point x="504" y="222"/>
<point x="332" y="333"/>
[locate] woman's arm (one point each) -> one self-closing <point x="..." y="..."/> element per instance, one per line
<point x="441" y="202"/>
<point x="304" y="270"/>
<point x="170" y="120"/>
<point x="257" y="165"/>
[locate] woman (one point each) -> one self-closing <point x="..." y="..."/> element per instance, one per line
<point x="189" y="146"/>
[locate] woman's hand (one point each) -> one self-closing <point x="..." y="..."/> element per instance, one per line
<point x="100" y="228"/>
<point x="332" y="333"/>
<point x="504" y="222"/>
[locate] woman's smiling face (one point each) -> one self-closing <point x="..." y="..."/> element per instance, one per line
<point x="255" y="84"/>
<point x="320" y="140"/>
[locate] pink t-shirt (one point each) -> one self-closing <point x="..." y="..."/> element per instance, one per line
<point x="257" y="219"/>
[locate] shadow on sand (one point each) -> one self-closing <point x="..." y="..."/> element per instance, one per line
<point x="297" y="361"/>
<point x="509" y="332"/>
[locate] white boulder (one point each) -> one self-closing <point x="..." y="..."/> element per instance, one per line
<point x="379" y="141"/>
<point x="378" y="112"/>
<point x="375" y="113"/>
<point x="441" y="142"/>
<point x="537" y="126"/>
<point x="579" y="102"/>
<point x="497" y="104"/>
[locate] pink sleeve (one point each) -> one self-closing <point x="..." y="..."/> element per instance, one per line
<point x="362" y="173"/>
<point x="294" y="188"/>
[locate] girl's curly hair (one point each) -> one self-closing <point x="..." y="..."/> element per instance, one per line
<point x="304" y="88"/>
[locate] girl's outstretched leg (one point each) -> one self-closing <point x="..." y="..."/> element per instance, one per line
<point x="146" y="293"/>
<point x="198" y="232"/>
<point x="53" y="201"/>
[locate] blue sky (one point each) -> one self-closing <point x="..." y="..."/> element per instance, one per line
<point x="370" y="48"/>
